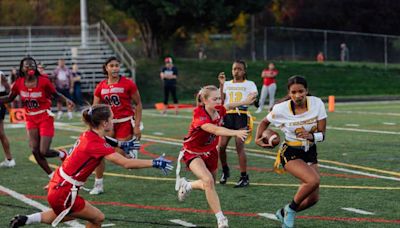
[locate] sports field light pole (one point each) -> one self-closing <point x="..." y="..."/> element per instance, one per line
<point x="84" y="24"/>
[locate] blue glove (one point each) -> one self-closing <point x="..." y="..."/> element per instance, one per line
<point x="128" y="146"/>
<point x="163" y="164"/>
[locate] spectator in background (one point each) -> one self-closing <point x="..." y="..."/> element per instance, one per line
<point x="269" y="86"/>
<point x="169" y="74"/>
<point x="62" y="76"/>
<point x="8" y="162"/>
<point x="320" y="57"/>
<point x="41" y="69"/>
<point x="344" y="53"/>
<point x="76" y="86"/>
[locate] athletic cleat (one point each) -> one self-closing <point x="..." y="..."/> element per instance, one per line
<point x="279" y="215"/>
<point x="258" y="110"/>
<point x="224" y="177"/>
<point x="223" y="223"/>
<point x="288" y="219"/>
<point x="98" y="189"/>
<point x="183" y="192"/>
<point x="17" y="221"/>
<point x="7" y="163"/>
<point x="59" y="115"/>
<point x="243" y="182"/>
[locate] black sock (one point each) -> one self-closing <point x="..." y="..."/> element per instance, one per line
<point x="293" y="205"/>
<point x="9" y="159"/>
<point x="225" y="168"/>
<point x="243" y="174"/>
<point x="282" y="212"/>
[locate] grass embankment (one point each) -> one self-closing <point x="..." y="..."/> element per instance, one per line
<point x="341" y="80"/>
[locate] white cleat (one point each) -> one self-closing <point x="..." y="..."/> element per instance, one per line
<point x="59" y="115"/>
<point x="223" y="223"/>
<point x="98" y="189"/>
<point x="7" y="163"/>
<point x="258" y="110"/>
<point x="183" y="192"/>
<point x="70" y="116"/>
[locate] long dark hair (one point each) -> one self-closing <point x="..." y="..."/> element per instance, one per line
<point x="21" y="66"/>
<point x="107" y="62"/>
<point x="94" y="115"/>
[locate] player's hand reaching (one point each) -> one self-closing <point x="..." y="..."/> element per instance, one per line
<point x="163" y="164"/>
<point x="242" y="134"/>
<point x="127" y="146"/>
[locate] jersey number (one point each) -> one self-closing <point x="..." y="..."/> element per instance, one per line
<point x="31" y="104"/>
<point x="112" y="100"/>
<point x="235" y="97"/>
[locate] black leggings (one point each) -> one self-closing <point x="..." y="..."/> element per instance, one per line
<point x="167" y="90"/>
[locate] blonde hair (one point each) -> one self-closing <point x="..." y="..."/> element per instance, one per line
<point x="204" y="93"/>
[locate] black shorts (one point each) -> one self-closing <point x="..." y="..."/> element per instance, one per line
<point x="64" y="92"/>
<point x="292" y="153"/>
<point x="2" y="111"/>
<point x="235" y="121"/>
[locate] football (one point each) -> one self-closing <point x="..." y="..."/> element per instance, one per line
<point x="271" y="137"/>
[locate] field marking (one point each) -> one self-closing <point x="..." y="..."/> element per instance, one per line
<point x="390" y="124"/>
<point x="273" y="154"/>
<point x="34" y="204"/>
<point x="182" y="223"/>
<point x="358" y="211"/>
<point x="231" y="213"/>
<point x="328" y="127"/>
<point x="352" y="125"/>
<point x="268" y="216"/>
<point x="108" y="225"/>
<point x="370" y="113"/>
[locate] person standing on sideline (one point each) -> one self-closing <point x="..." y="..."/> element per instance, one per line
<point x="269" y="86"/>
<point x="36" y="92"/>
<point x="41" y="69"/>
<point x="232" y="91"/>
<point x="199" y="150"/>
<point x="344" y="53"/>
<point x="302" y="118"/>
<point x="75" y="89"/>
<point x="118" y="92"/>
<point x="8" y="162"/>
<point x="87" y="153"/>
<point x="169" y="74"/>
<point x="62" y="77"/>
<point x="320" y="57"/>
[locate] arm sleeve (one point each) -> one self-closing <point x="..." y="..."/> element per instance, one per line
<point x="274" y="118"/>
<point x="253" y="87"/>
<point x="49" y="87"/>
<point x="102" y="149"/>
<point x="132" y="88"/>
<point x="14" y="88"/>
<point x="97" y="91"/>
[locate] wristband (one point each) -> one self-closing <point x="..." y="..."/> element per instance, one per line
<point x="318" y="137"/>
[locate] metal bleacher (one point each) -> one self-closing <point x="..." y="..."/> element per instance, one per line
<point x="47" y="44"/>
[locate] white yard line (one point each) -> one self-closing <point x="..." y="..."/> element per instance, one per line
<point x="358" y="211"/>
<point x="370" y="113"/>
<point x="352" y="125"/>
<point x="328" y="127"/>
<point x="390" y="124"/>
<point x="34" y="204"/>
<point x="182" y="223"/>
<point x="273" y="158"/>
<point x="268" y="216"/>
<point x="108" y="225"/>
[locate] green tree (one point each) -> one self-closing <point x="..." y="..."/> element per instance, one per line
<point x="160" y="20"/>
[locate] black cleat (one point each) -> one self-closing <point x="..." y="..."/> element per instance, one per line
<point x="243" y="182"/>
<point x="17" y="221"/>
<point x="225" y="175"/>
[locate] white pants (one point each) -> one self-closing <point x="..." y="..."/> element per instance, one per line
<point x="267" y="91"/>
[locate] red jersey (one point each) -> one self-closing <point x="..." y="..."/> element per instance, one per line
<point x="268" y="81"/>
<point x="118" y="96"/>
<point x="198" y="140"/>
<point x="37" y="98"/>
<point x="86" y="155"/>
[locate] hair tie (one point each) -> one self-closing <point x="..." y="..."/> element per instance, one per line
<point x="90" y="111"/>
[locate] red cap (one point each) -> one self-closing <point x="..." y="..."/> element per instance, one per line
<point x="168" y="60"/>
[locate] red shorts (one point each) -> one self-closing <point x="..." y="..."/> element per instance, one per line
<point x="123" y="130"/>
<point x="43" y="122"/>
<point x="59" y="198"/>
<point x="210" y="159"/>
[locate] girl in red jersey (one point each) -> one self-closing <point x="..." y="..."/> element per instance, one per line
<point x="87" y="153"/>
<point x="199" y="150"/>
<point x="118" y="92"/>
<point x="35" y="91"/>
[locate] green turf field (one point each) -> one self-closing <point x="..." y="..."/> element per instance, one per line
<point x="359" y="168"/>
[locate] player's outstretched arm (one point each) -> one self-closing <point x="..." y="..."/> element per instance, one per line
<point x="222" y="131"/>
